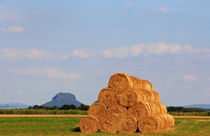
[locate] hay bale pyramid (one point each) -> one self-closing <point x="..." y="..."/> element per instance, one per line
<point x="127" y="105"/>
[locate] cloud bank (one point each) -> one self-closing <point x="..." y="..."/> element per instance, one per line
<point x="50" y="72"/>
<point x="158" y="48"/>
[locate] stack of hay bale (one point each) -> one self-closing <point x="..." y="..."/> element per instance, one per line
<point x="127" y="105"/>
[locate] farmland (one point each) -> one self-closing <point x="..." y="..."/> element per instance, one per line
<point x="55" y="125"/>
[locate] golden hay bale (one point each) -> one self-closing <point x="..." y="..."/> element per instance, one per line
<point x="142" y="109"/>
<point x="149" y="96"/>
<point x="117" y="110"/>
<point x="109" y="124"/>
<point x="127" y="124"/>
<point x="155" y="123"/>
<point x="121" y="82"/>
<point x="127" y="98"/>
<point x="131" y="96"/>
<point x="98" y="110"/>
<point x="107" y="96"/>
<point x="89" y="124"/>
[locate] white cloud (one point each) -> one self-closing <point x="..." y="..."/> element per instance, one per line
<point x="107" y="53"/>
<point x="137" y="49"/>
<point x="17" y="54"/>
<point x="191" y="50"/>
<point x="119" y="52"/>
<point x="128" y="4"/>
<point x="175" y="49"/>
<point x="164" y="9"/>
<point x="189" y="78"/>
<point x="157" y="48"/>
<point x="8" y="14"/>
<point x="12" y="29"/>
<point x="51" y="72"/>
<point x="83" y="53"/>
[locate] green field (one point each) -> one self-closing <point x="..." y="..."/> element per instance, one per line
<point x="63" y="126"/>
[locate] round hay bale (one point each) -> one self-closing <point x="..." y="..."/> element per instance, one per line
<point x="142" y="109"/>
<point x="148" y="124"/>
<point x="148" y="96"/>
<point x="117" y="110"/>
<point x="109" y="124"/>
<point x="127" y="98"/>
<point x="89" y="124"/>
<point x="98" y="110"/>
<point x="157" y="96"/>
<point x="169" y="120"/>
<point x="155" y="123"/>
<point x="131" y="96"/>
<point x="107" y="96"/>
<point x="141" y="84"/>
<point x="127" y="124"/>
<point x="122" y="82"/>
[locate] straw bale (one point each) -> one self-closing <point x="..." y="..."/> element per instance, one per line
<point x="122" y="82"/>
<point x="127" y="98"/>
<point x="148" y="124"/>
<point x="98" y="110"/>
<point x="107" y="96"/>
<point x="117" y="110"/>
<point x="131" y="96"/>
<point x="127" y="124"/>
<point x="142" y="109"/>
<point x="155" y="123"/>
<point x="109" y="124"/>
<point x="149" y="96"/>
<point x="89" y="124"/>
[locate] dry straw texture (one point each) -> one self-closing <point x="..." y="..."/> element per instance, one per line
<point x="142" y="109"/>
<point x="117" y="110"/>
<point x="109" y="124"/>
<point x="127" y="124"/>
<point x="107" y="96"/>
<point x="130" y="97"/>
<point x="89" y="124"/>
<point x="98" y="110"/>
<point x="122" y="82"/>
<point x="155" y="123"/>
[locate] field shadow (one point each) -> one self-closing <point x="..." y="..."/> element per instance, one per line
<point x="76" y="129"/>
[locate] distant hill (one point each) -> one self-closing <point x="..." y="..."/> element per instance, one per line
<point x="62" y="98"/>
<point x="202" y="106"/>
<point x="13" y="106"/>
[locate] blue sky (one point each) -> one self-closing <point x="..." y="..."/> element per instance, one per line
<point x="74" y="46"/>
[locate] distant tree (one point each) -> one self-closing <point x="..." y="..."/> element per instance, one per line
<point x="182" y="109"/>
<point x="83" y="107"/>
<point x="37" y="107"/>
<point x="52" y="108"/>
<point x="65" y="107"/>
<point x="174" y="109"/>
<point x="73" y="107"/>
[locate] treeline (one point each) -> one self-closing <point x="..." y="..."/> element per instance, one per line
<point x="40" y="110"/>
<point x="182" y="109"/>
<point x="82" y="107"/>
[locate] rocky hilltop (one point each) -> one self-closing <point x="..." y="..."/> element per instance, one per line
<point x="62" y="98"/>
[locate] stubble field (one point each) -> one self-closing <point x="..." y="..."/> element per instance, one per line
<point x="66" y="126"/>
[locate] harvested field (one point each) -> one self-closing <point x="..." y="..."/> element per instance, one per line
<point x="39" y="116"/>
<point x="65" y="126"/>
